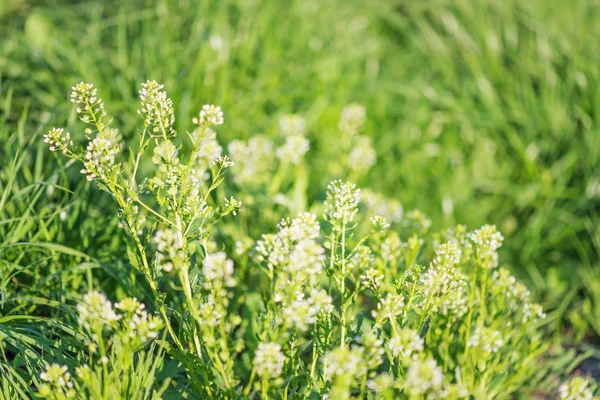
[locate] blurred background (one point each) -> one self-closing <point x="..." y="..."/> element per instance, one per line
<point x="480" y="111"/>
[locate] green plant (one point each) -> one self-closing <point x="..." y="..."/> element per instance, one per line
<point x="338" y="314"/>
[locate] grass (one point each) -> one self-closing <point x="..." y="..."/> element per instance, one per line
<point x="480" y="112"/>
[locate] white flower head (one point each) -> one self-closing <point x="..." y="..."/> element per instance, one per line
<point x="352" y="119"/>
<point x="423" y="377"/>
<point x="575" y="389"/>
<point x="269" y="360"/>
<point x="157" y="109"/>
<point x="210" y="115"/>
<point x="293" y="149"/>
<point x="95" y="311"/>
<point x="292" y="125"/>
<point x="341" y="202"/>
<point x="58" y="140"/>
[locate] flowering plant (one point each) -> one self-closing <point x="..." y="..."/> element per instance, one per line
<point x="349" y="305"/>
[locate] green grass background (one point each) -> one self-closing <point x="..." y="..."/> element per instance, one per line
<point x="481" y="111"/>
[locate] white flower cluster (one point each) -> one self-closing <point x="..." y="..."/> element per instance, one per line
<point x="487" y="339"/>
<point x="447" y="255"/>
<point x="362" y="156"/>
<point x="216" y="267"/>
<point x="96" y="312"/>
<point x="487" y="240"/>
<point x="389" y="308"/>
<point x="423" y="377"/>
<point x="341" y="203"/>
<point x="210" y="115"/>
<point x="133" y="325"/>
<point x="293" y="127"/>
<point x="517" y="296"/>
<point x="169" y="245"/>
<point x="373" y="349"/>
<point x="100" y="159"/>
<point x="344" y="361"/>
<point x="352" y="119"/>
<point x="138" y="325"/>
<point x="372" y="278"/>
<point x="58" y="140"/>
<point x="269" y="360"/>
<point x="156" y="108"/>
<point x="440" y="281"/>
<point x="406" y="343"/>
<point x="57" y="383"/>
<point x="575" y="389"/>
<point x="293" y="149"/>
<point x="90" y="108"/>
<point x="298" y="260"/>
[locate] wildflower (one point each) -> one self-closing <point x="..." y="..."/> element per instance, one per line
<point x="269" y="360"/>
<point x="341" y="202"/>
<point x="320" y="302"/>
<point x="292" y="125"/>
<point x="447" y="254"/>
<point x="423" y="377"/>
<point x="362" y="156"/>
<point x="100" y="159"/>
<point x="231" y="205"/>
<point x="362" y="258"/>
<point x="139" y="325"/>
<point x="454" y="391"/>
<point x="299" y="313"/>
<point x="372" y="278"/>
<point x="95" y="311"/>
<point x="58" y="139"/>
<point x="352" y="119"/>
<point x="379" y="223"/>
<point x="406" y="343"/>
<point x="157" y="109"/>
<point x="380" y="383"/>
<point x="439" y="282"/>
<point x="343" y="361"/>
<point x="307" y="257"/>
<point x="210" y="115"/>
<point x="389" y="307"/>
<point x="210" y="312"/>
<point x="167" y="239"/>
<point x="304" y="226"/>
<point x="169" y="245"/>
<point x="488" y="340"/>
<point x="89" y="107"/>
<point x="532" y="312"/>
<point x="373" y="349"/>
<point x="217" y="267"/>
<point x="293" y="149"/>
<point x="57" y="383"/>
<point x="487" y="240"/>
<point x="576" y="389"/>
